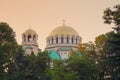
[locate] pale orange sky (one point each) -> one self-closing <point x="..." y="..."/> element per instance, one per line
<point x="85" y="16"/>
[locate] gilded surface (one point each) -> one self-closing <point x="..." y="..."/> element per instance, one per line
<point x="64" y="30"/>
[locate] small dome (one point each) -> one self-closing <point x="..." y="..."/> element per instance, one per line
<point x="64" y="30"/>
<point x="30" y="31"/>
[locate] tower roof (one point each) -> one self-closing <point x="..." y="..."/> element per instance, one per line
<point x="30" y="31"/>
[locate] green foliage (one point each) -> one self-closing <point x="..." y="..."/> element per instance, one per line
<point x="61" y="72"/>
<point x="77" y="67"/>
<point x="29" y="67"/>
<point x="101" y="52"/>
<point x="107" y="49"/>
<point x="14" y="65"/>
<point x="84" y="66"/>
<point x="6" y="33"/>
<point x="8" y="47"/>
<point x="100" y="41"/>
<point x="113" y="55"/>
<point x="112" y="16"/>
<point x="113" y="42"/>
<point x="89" y="50"/>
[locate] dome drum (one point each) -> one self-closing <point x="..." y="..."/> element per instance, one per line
<point x="61" y="45"/>
<point x="63" y="40"/>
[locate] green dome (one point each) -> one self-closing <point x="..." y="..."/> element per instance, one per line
<point x="54" y="55"/>
<point x="64" y="30"/>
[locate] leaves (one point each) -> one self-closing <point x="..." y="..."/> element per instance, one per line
<point x="8" y="47"/>
<point x="77" y="67"/>
<point x="112" y="15"/>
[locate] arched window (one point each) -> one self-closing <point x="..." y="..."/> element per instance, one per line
<point x="67" y="39"/>
<point x="62" y="39"/>
<point x="52" y="40"/>
<point x="56" y="39"/>
<point x="34" y="38"/>
<point x="72" y="40"/>
<point x="76" y="41"/>
<point x="29" y="37"/>
<point x="49" y="41"/>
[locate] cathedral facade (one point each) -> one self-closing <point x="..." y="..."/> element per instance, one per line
<point x="60" y="41"/>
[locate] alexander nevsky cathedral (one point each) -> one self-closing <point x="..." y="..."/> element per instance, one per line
<point x="60" y="41"/>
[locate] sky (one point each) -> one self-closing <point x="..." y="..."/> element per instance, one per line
<point x="85" y="16"/>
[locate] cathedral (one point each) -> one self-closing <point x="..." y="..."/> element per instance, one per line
<point x="60" y="41"/>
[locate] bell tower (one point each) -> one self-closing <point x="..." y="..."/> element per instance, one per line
<point x="29" y="42"/>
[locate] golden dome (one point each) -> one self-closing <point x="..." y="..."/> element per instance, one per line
<point x="30" y="31"/>
<point x="64" y="30"/>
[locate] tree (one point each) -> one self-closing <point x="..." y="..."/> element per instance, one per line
<point x="88" y="49"/>
<point x="6" y="33"/>
<point x="29" y="67"/>
<point x="77" y="67"/>
<point x="112" y="16"/>
<point x="113" y="55"/>
<point x="60" y="71"/>
<point x="8" y="47"/>
<point x="101" y="52"/>
<point x="84" y="66"/>
<point x="16" y="68"/>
